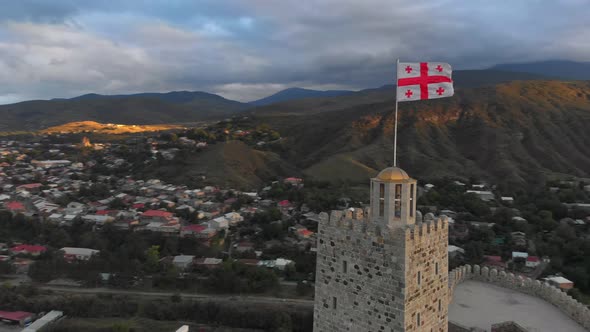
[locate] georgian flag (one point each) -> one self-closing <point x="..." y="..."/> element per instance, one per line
<point x="423" y="80"/>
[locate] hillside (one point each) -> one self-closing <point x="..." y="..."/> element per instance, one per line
<point x="231" y="164"/>
<point x="297" y="93"/>
<point x="511" y="133"/>
<point x="105" y="128"/>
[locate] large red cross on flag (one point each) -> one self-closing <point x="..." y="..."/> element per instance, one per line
<point x="423" y="80"/>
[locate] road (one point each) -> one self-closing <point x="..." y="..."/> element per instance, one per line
<point x="199" y="297"/>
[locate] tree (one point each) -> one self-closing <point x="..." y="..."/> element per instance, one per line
<point x="152" y="259"/>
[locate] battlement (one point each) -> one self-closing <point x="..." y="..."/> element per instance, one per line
<point x="358" y="221"/>
<point x="576" y="310"/>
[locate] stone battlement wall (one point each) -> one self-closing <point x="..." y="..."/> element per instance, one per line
<point x="358" y="221"/>
<point x="570" y="306"/>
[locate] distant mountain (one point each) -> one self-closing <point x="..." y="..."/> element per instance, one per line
<point x="386" y="93"/>
<point x="555" y="68"/>
<point x="297" y="93"/>
<point x="195" y="98"/>
<point x="143" y="108"/>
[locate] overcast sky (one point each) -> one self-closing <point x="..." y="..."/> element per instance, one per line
<point x="247" y="49"/>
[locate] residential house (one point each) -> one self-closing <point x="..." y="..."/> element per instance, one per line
<point x="532" y="261"/>
<point x="209" y="263"/>
<point x="84" y="254"/>
<point x="495" y="261"/>
<point x="156" y="216"/>
<point x="28" y="249"/>
<point x="560" y="282"/>
<point x="233" y="218"/>
<point x="200" y="231"/>
<point x="293" y="181"/>
<point x="484" y="195"/>
<point x="21" y="318"/>
<point x="15" y="207"/>
<point x="519" y="255"/>
<point x="455" y="252"/>
<point x="244" y="246"/>
<point x="219" y="223"/>
<point x="183" y="262"/>
<point x="507" y="199"/>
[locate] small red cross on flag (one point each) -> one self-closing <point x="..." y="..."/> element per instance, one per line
<point x="424" y="80"/>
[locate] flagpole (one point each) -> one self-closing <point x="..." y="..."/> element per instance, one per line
<point x="395" y="121"/>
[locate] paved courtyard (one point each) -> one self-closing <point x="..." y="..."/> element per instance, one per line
<point x="478" y="304"/>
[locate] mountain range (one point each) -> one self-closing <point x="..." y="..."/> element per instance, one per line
<point x="509" y="126"/>
<point x="191" y="106"/>
<point x="561" y="69"/>
<point x="297" y="93"/>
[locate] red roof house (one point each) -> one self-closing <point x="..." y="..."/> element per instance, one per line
<point x="138" y="206"/>
<point x="305" y="233"/>
<point x="157" y="214"/>
<point x="532" y="261"/>
<point x="494" y="261"/>
<point x="19" y="317"/>
<point x="28" y="249"/>
<point x="15" y="206"/>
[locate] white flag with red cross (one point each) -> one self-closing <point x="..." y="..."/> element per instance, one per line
<point x="423" y="80"/>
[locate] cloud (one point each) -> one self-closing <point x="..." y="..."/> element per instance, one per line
<point x="246" y="49"/>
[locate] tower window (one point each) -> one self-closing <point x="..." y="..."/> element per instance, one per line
<point x="418" y="319"/>
<point x="334" y="303"/>
<point x="419" y="278"/>
<point x="381" y="199"/>
<point x="344" y="266"/>
<point x="436" y="268"/>
<point x="412" y="200"/>
<point x="398" y="200"/>
<point x="439" y="305"/>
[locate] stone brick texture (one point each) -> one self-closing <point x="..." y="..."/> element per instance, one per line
<point x="367" y="275"/>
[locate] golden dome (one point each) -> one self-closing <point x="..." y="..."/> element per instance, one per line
<point x="393" y="174"/>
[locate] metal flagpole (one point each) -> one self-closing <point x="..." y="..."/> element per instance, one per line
<point x="395" y="125"/>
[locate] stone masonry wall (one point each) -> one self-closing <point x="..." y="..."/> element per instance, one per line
<point x="570" y="306"/>
<point x="426" y="252"/>
<point x="361" y="275"/>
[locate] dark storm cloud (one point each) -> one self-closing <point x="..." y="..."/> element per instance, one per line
<point x="250" y="48"/>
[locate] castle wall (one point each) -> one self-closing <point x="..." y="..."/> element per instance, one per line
<point x="426" y="251"/>
<point x="364" y="278"/>
<point x="570" y="306"/>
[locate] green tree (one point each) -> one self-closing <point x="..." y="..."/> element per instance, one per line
<point x="152" y="259"/>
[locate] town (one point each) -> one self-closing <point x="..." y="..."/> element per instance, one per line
<point x="66" y="224"/>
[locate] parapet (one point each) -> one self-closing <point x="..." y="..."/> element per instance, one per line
<point x="576" y="310"/>
<point x="357" y="220"/>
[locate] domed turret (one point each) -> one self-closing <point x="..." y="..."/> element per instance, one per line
<point x="393" y="174"/>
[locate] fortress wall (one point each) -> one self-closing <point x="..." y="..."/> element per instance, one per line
<point x="570" y="306"/>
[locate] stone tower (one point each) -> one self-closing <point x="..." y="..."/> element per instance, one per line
<point x="382" y="268"/>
